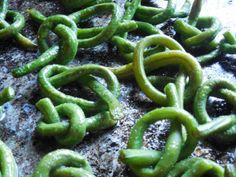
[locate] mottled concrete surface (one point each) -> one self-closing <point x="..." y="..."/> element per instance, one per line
<point x="101" y="149"/>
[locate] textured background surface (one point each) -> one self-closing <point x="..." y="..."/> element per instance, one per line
<point x="18" y="125"/>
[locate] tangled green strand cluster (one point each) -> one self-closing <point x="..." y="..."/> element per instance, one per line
<point x="13" y="30"/>
<point x="199" y="33"/>
<point x="144" y="57"/>
<point x="180" y="143"/>
<point x="62" y="163"/>
<point x="71" y="37"/>
<point x="116" y="31"/>
<point x="107" y="108"/>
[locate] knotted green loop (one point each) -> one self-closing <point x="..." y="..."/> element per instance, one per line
<point x="192" y="36"/>
<point x="199" y="33"/>
<point x="61" y="163"/>
<point x="180" y="143"/>
<point x="196" y="167"/>
<point x="54" y="76"/>
<point x="13" y="30"/>
<point x="86" y="33"/>
<point x="6" y="95"/>
<point x="146" y="163"/>
<point x="62" y="53"/>
<point x="66" y="28"/>
<point x="155" y="61"/>
<point x="8" y="165"/>
<point x="68" y="133"/>
<point x="150" y="163"/>
<point x="126" y="47"/>
<point x="56" y="23"/>
<point x="228" y="45"/>
<point x="222" y="89"/>
<point x="99" y="34"/>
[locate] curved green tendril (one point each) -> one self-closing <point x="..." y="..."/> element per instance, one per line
<point x="62" y="53"/>
<point x="230" y="170"/>
<point x="68" y="133"/>
<point x="8" y="164"/>
<point x="151" y="163"/>
<point x="200" y="33"/>
<point x="191" y="66"/>
<point x="61" y="163"/>
<point x="196" y="167"/>
<point x="126" y="47"/>
<point x="228" y="45"/>
<point x="13" y="30"/>
<point x="160" y="17"/>
<point x="55" y="76"/>
<point x="154" y="15"/>
<point x="65" y="27"/>
<point x="174" y="146"/>
<point x="222" y="89"/>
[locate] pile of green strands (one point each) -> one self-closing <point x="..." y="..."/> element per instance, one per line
<point x="151" y="53"/>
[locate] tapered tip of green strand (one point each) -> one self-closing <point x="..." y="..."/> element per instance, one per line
<point x="8" y="93"/>
<point x="230" y="170"/>
<point x="29" y="11"/>
<point x="122" y="156"/>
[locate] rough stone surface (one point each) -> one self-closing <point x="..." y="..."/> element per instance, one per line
<point x="101" y="149"/>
